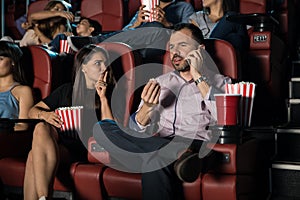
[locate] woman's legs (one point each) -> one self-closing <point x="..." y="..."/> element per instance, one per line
<point x="42" y="162"/>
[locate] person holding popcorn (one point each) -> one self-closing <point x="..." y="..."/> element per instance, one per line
<point x="166" y="12"/>
<point x="92" y="74"/>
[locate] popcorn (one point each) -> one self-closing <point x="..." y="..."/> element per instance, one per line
<point x="150" y="4"/>
<point x="71" y="116"/>
<point x="64" y="46"/>
<point x="247" y="90"/>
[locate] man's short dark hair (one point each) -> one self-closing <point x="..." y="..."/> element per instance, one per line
<point x="95" y="24"/>
<point x="196" y="32"/>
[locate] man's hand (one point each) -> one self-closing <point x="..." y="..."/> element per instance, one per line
<point x="143" y="16"/>
<point x="150" y="96"/>
<point x="195" y="60"/>
<point x="151" y="92"/>
<point x="159" y="15"/>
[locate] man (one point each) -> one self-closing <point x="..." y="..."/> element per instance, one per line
<point x="172" y="121"/>
<point x="167" y="13"/>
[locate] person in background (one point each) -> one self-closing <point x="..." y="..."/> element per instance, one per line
<point x="167" y="13"/>
<point x="43" y="26"/>
<point x="85" y="28"/>
<point x="91" y="74"/>
<point x="212" y="21"/>
<point x="149" y="38"/>
<point x="171" y="124"/>
<point x="16" y="97"/>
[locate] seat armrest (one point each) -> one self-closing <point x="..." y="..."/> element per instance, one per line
<point x="96" y="153"/>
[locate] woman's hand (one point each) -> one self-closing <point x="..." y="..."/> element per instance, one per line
<point x="101" y="85"/>
<point x="65" y="14"/>
<point x="51" y="118"/>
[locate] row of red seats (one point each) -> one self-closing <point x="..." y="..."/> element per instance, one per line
<point x="236" y="178"/>
<point x="120" y="12"/>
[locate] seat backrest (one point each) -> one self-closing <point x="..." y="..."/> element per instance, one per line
<point x="37" y="6"/>
<point x="223" y="54"/>
<point x="197" y="4"/>
<point x="43" y="70"/>
<point x="133" y="7"/>
<point x="108" y="13"/>
<point x="42" y="67"/>
<point x="253" y="6"/>
<point x="123" y="61"/>
<point x="259" y="55"/>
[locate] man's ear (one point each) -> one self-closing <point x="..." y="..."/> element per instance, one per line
<point x="91" y="29"/>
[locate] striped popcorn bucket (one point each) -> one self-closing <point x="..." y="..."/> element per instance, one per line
<point x="71" y="116"/>
<point x="150" y="4"/>
<point x="247" y="90"/>
<point x="64" y="46"/>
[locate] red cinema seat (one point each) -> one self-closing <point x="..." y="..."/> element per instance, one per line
<point x="37" y="6"/>
<point x="253" y="6"/>
<point x="110" y="14"/>
<point x="88" y="176"/>
<point x="266" y="67"/>
<point x="224" y="182"/>
<point x="133" y="7"/>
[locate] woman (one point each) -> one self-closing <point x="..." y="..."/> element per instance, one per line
<point x="15" y="97"/>
<point x="43" y="26"/>
<point x="91" y="73"/>
<point x="213" y="23"/>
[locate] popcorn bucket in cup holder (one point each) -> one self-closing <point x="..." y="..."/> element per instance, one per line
<point x="71" y="116"/>
<point x="247" y="92"/>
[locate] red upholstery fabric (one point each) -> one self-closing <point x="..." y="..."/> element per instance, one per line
<point x="229" y="187"/>
<point x="253" y="6"/>
<point x="16" y="167"/>
<point x="10" y="22"/>
<point x="133" y="7"/>
<point x="259" y="56"/>
<point x="37" y="6"/>
<point x="219" y="187"/>
<point x="42" y="67"/>
<point x="87" y="181"/>
<point x="224" y="56"/>
<point x="122" y="184"/>
<point x="108" y="13"/>
<point x="192" y="191"/>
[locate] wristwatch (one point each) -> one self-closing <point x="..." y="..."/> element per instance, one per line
<point x="200" y="79"/>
